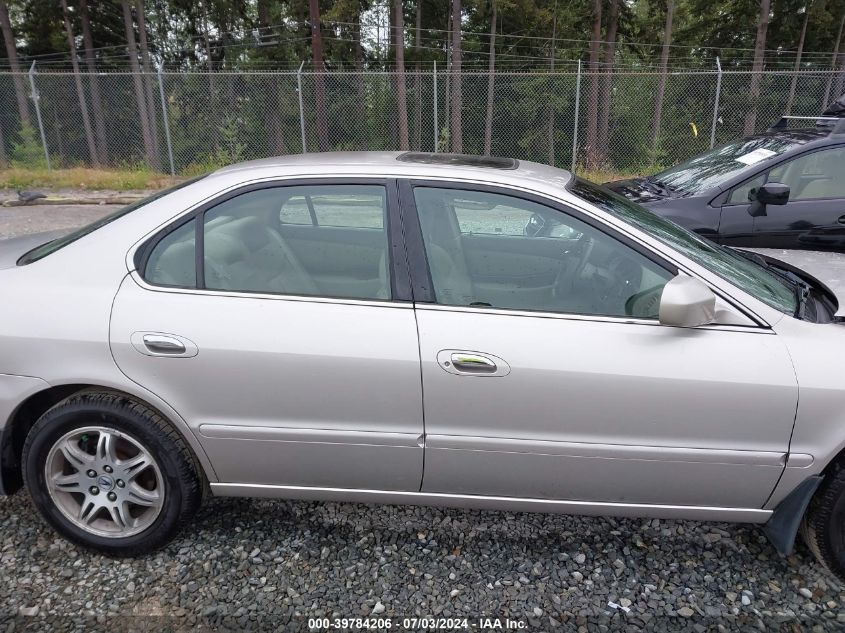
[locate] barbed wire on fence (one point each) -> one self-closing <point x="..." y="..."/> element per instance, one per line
<point x="186" y="123"/>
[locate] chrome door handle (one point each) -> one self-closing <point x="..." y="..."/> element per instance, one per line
<point x="459" y="362"/>
<point x="161" y="344"/>
<point x="473" y="363"/>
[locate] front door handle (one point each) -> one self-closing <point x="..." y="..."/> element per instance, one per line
<point x="841" y="219"/>
<point x="468" y="363"/>
<point x="163" y="344"/>
<point x="472" y="363"/>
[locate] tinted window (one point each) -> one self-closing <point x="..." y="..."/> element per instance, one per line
<point x="495" y="250"/>
<point x="260" y="242"/>
<point x="173" y="260"/>
<point x="743" y="273"/>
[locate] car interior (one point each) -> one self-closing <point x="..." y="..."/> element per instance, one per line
<point x="331" y="241"/>
<point x="479" y="255"/>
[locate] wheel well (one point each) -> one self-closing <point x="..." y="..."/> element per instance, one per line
<point x="26" y="415"/>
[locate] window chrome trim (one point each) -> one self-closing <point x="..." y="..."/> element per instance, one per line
<point x="594" y="318"/>
<point x="234" y="294"/>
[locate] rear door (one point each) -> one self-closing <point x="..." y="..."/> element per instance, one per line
<point x="547" y="374"/>
<point x="292" y="350"/>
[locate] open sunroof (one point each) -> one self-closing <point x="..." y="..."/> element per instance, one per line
<point x="461" y="160"/>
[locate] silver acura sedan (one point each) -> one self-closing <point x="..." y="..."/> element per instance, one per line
<point x="414" y="328"/>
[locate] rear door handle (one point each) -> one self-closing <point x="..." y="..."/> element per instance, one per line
<point x="468" y="363"/>
<point x="162" y="344"/>
<point x="841" y="219"/>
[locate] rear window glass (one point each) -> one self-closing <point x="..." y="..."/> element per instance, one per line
<point x="39" y="252"/>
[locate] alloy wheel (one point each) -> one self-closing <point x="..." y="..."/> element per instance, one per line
<point x="104" y="482"/>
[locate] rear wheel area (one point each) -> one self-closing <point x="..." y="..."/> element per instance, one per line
<point x="823" y="527"/>
<point x="111" y="474"/>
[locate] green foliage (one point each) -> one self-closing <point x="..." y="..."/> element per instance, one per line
<point x="27" y="151"/>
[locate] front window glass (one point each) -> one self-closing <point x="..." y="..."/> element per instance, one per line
<point x="813" y="176"/>
<point x="743" y="273"/>
<point x="741" y="194"/>
<point x="51" y="247"/>
<point x="493" y="250"/>
<point x="723" y="163"/>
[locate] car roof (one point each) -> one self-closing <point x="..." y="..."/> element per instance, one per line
<point x="799" y="135"/>
<point x="404" y="165"/>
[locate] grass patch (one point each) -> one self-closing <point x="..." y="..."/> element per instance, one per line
<point x="606" y="174"/>
<point x="84" y="179"/>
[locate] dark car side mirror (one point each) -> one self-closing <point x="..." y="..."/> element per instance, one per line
<point x="770" y="193"/>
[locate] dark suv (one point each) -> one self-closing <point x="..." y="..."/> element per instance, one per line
<point x="784" y="188"/>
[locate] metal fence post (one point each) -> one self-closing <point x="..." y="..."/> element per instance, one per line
<point x="575" y="124"/>
<point x="436" y="124"/>
<point x="716" y="103"/>
<point x="301" y="109"/>
<point x="35" y="99"/>
<point x="166" y="122"/>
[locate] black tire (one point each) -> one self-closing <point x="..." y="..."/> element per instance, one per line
<point x="184" y="485"/>
<point x="823" y="526"/>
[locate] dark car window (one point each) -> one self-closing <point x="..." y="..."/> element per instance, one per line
<point x="811" y="176"/>
<point x="719" y="165"/>
<point x="741" y="193"/>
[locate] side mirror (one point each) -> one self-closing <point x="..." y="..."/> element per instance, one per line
<point x="773" y="193"/>
<point x="687" y="302"/>
<point x="534" y="225"/>
<point x="770" y="193"/>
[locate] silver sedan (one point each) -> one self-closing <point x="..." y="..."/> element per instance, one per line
<point x="414" y="328"/>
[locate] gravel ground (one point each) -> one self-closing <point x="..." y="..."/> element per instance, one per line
<point x="253" y="564"/>
<point x="265" y="564"/>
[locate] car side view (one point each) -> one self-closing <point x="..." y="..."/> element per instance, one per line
<point x="414" y="328"/>
<point x="782" y="188"/>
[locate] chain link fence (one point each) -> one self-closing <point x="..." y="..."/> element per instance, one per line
<point x="186" y="123"/>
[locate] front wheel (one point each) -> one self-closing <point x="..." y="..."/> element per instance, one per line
<point x="111" y="474"/>
<point x="823" y="526"/>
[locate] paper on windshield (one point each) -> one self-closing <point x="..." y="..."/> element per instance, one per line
<point x="752" y="158"/>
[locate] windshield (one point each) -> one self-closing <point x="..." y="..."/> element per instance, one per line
<point x="711" y="169"/>
<point x="748" y="275"/>
<point x="51" y="247"/>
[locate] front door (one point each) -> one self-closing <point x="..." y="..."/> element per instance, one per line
<point x="547" y="375"/>
<point x="814" y="217"/>
<point x="288" y="353"/>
